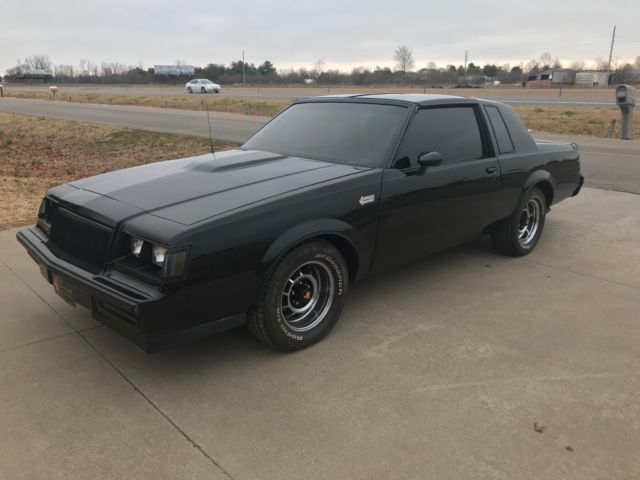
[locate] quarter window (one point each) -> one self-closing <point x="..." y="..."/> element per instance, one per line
<point x="505" y="144"/>
<point x="451" y="131"/>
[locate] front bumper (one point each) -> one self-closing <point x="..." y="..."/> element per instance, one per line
<point x="141" y="312"/>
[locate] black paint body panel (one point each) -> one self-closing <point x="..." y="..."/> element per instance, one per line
<point x="238" y="212"/>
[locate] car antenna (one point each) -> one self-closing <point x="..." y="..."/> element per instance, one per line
<point x="206" y="104"/>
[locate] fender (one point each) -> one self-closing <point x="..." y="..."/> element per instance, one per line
<point x="536" y="177"/>
<point x="305" y="231"/>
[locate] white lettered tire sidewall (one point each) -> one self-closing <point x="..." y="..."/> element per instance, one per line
<point x="277" y="329"/>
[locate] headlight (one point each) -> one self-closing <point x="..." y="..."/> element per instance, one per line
<point x="136" y="246"/>
<point x="172" y="263"/>
<point x="165" y="261"/>
<point x="158" y="255"/>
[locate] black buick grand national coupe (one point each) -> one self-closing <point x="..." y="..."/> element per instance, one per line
<point x="272" y="234"/>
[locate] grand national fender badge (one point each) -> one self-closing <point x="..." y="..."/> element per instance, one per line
<point x="365" y="199"/>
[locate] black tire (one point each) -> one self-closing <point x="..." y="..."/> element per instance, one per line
<point x="519" y="234"/>
<point x="189" y="90"/>
<point x="273" y="320"/>
<point x="203" y="90"/>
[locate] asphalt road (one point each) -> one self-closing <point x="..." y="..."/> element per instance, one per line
<point x="436" y="370"/>
<point x="228" y="127"/>
<point x="548" y="97"/>
<point x="607" y="163"/>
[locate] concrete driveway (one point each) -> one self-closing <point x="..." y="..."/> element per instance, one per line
<point x="438" y="369"/>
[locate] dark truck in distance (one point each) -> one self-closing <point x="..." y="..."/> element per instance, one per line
<point x="273" y="234"/>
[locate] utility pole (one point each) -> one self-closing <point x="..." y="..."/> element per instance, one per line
<point x="243" y="77"/>
<point x="613" y="38"/>
<point x="464" y="79"/>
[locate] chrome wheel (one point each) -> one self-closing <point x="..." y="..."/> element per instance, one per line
<point x="307" y="296"/>
<point x="529" y="222"/>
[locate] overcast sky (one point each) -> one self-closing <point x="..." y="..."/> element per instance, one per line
<point x="297" y="34"/>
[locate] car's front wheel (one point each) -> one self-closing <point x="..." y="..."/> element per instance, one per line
<point x="519" y="234"/>
<point x="189" y="90"/>
<point x="302" y="297"/>
<point x="203" y="90"/>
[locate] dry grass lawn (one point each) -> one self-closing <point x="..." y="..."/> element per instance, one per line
<point x="38" y="153"/>
<point x="573" y="121"/>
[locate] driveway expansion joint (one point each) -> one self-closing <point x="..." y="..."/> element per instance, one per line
<point x="155" y="406"/>
<point x="35" y="342"/>
<point x="80" y="333"/>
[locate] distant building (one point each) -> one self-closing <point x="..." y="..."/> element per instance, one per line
<point x="34" y="75"/>
<point x="550" y="78"/>
<point x="173" y="72"/>
<point x="592" y="79"/>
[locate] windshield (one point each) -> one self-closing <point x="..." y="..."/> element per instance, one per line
<point x="355" y="133"/>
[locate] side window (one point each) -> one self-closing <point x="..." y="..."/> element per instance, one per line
<point x="505" y="144"/>
<point x="452" y="131"/>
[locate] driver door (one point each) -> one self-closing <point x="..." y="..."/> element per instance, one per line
<point x="426" y="209"/>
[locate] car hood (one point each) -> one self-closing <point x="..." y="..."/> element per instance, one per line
<point x="193" y="189"/>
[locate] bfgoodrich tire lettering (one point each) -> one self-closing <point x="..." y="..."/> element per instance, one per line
<point x="519" y="234"/>
<point x="302" y="297"/>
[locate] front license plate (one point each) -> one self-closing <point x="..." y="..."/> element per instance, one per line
<point x="63" y="290"/>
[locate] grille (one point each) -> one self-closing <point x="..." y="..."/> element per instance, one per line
<point x="78" y="240"/>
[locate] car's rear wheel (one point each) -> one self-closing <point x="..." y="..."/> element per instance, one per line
<point x="519" y="234"/>
<point x="302" y="297"/>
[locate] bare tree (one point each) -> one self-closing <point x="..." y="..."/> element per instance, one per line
<point x="577" y="66"/>
<point x="34" y="62"/>
<point x="404" y="60"/>
<point x="320" y="65"/>
<point x="546" y="60"/>
<point x="65" y="71"/>
<point x="38" y="62"/>
<point x="601" y="64"/>
<point x="532" y="66"/>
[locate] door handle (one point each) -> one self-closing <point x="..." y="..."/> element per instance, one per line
<point x="491" y="170"/>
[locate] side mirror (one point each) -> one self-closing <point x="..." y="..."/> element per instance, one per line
<point x="429" y="159"/>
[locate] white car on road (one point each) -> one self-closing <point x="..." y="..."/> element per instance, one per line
<point x="202" y="85"/>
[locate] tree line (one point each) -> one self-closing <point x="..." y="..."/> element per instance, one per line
<point x="403" y="72"/>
